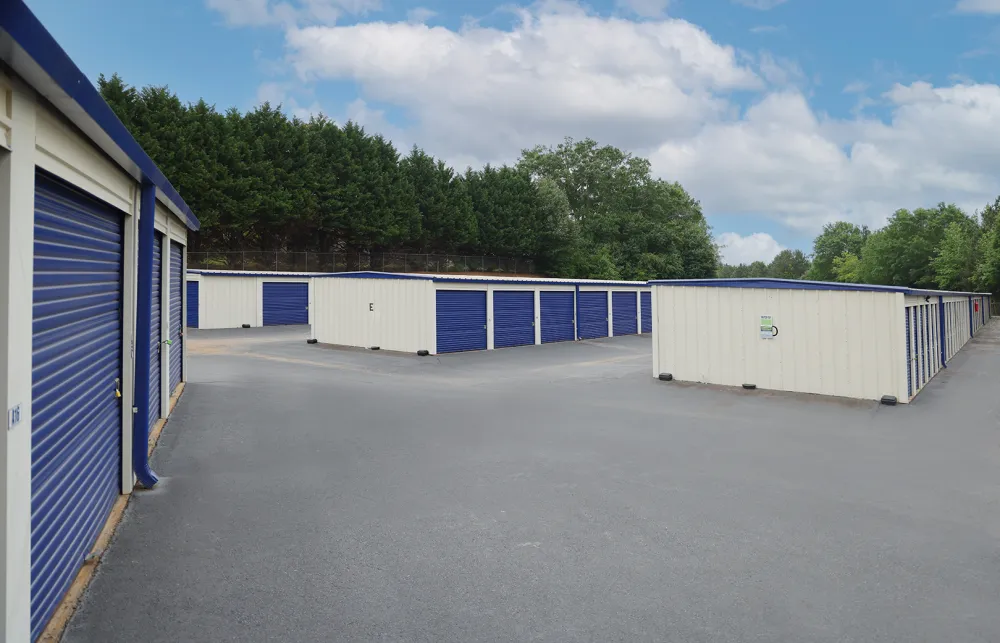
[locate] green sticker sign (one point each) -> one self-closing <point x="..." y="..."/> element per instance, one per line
<point x="766" y="327"/>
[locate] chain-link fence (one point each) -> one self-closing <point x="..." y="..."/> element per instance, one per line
<point x="348" y="261"/>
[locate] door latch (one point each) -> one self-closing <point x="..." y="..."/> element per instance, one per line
<point x="118" y="388"/>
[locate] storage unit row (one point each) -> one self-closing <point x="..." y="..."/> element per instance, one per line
<point x="445" y="314"/>
<point x="232" y="299"/>
<point x="849" y="340"/>
<point x="92" y="254"/>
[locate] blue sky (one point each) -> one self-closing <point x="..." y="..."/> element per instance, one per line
<point x="778" y="118"/>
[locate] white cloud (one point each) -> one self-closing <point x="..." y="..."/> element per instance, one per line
<point x="663" y="89"/>
<point x="763" y="5"/>
<point x="488" y="93"/>
<point x="758" y="246"/>
<point x="645" y="8"/>
<point x="255" y="13"/>
<point x="277" y="94"/>
<point x="420" y="15"/>
<point x="978" y="6"/>
<point x="781" y="158"/>
<point x="856" y="87"/>
<point x="779" y="71"/>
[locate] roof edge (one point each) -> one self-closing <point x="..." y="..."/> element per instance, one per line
<point x="801" y="284"/>
<point x="40" y="60"/>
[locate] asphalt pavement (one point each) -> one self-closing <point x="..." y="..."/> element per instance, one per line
<point x="552" y="493"/>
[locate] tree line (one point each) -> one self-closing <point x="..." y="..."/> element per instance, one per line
<point x="935" y="248"/>
<point x="259" y="180"/>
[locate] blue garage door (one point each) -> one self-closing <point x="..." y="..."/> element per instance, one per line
<point x="286" y="303"/>
<point x="76" y="356"/>
<point x="176" y="314"/>
<point x="461" y="320"/>
<point x="592" y="309"/>
<point x="193" y="304"/>
<point x="556" y="314"/>
<point x="154" y="332"/>
<point x="624" y="309"/>
<point x="513" y="318"/>
<point x="647" y="312"/>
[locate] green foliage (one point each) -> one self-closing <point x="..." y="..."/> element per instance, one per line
<point x="987" y="275"/>
<point x="788" y="264"/>
<point x="955" y="263"/>
<point x="621" y="222"/>
<point x="835" y="239"/>
<point x="259" y="180"/>
<point x="931" y="248"/>
<point x="902" y="252"/>
<point x="847" y="268"/>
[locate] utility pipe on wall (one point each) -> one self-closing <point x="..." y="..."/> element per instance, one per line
<point x="143" y="325"/>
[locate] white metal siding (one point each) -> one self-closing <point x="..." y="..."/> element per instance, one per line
<point x="228" y="302"/>
<point x="68" y="155"/>
<point x="841" y="343"/>
<point x="393" y="314"/>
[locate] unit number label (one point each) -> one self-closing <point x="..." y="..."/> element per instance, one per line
<point x="13" y="416"/>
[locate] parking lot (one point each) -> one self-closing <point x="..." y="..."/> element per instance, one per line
<point x="551" y="493"/>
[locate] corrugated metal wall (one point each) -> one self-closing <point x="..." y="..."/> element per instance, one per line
<point x="840" y="343"/>
<point x="231" y="300"/>
<point x="227" y="302"/>
<point x="394" y="314"/>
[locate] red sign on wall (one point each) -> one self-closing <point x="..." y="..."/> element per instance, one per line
<point x="977" y="305"/>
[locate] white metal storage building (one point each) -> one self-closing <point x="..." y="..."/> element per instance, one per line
<point x="92" y="253"/>
<point x="443" y="314"/>
<point x="849" y="340"/>
<point x="232" y="299"/>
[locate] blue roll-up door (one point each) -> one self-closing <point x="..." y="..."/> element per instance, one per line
<point x="592" y="309"/>
<point x="646" y="299"/>
<point x="624" y="309"/>
<point x="192" y="301"/>
<point x="461" y="320"/>
<point x="176" y="312"/>
<point x="556" y="316"/>
<point x="154" y="332"/>
<point x="513" y="318"/>
<point x="286" y="303"/>
<point x="76" y="359"/>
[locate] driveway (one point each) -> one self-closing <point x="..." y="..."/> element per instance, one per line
<point x="553" y="493"/>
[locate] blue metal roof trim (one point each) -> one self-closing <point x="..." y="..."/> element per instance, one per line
<point x="371" y="274"/>
<point x="542" y="282"/>
<point x="17" y="20"/>
<point x="238" y="273"/>
<point x="797" y="284"/>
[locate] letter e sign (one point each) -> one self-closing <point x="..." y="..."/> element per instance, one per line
<point x="371" y="307"/>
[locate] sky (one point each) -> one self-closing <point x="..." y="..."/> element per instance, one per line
<point x="777" y="115"/>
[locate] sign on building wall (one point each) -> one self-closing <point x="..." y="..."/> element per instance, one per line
<point x="767" y="328"/>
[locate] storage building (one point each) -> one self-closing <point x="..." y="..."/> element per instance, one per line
<point x="849" y="340"/>
<point x="447" y="313"/>
<point x="233" y="299"/>
<point x="92" y="253"/>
